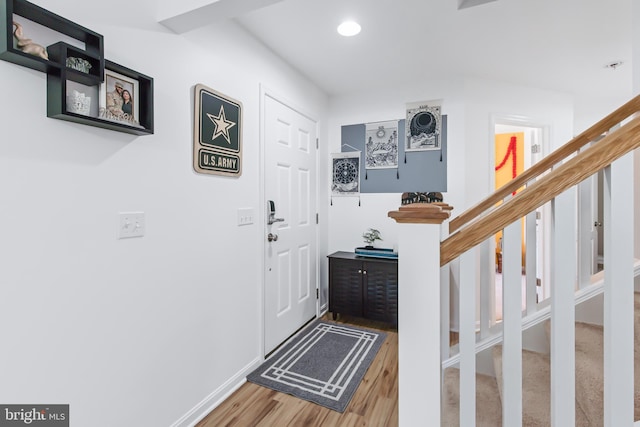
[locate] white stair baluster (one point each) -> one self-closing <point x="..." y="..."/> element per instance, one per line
<point x="468" y="283"/>
<point x="618" y="298"/>
<point x="445" y="302"/>
<point x="487" y="286"/>
<point x="586" y="230"/>
<point x="563" y="309"/>
<point x="512" y="325"/>
<point x="531" y="263"/>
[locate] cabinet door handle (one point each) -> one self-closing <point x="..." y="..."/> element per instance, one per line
<point x="359" y="271"/>
<point x="364" y="272"/>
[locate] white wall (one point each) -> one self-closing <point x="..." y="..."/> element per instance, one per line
<point x="589" y="111"/>
<point x="486" y="99"/>
<point x="470" y="105"/>
<point x="138" y="331"/>
<point x="347" y="220"/>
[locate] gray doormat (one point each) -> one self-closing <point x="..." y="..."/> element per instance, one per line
<point x="323" y="364"/>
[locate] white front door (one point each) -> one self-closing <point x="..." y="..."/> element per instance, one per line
<point x="290" y="193"/>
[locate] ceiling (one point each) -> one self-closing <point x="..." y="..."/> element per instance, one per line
<point x="550" y="44"/>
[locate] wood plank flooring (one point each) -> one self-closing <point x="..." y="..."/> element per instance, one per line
<point x="375" y="402"/>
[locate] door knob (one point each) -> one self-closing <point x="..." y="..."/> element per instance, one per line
<point x="272" y="237"/>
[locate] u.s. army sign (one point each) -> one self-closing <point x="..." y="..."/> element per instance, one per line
<point x="217" y="145"/>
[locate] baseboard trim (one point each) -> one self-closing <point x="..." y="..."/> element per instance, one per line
<point x="213" y="400"/>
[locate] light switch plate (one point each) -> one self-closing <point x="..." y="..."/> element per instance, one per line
<point x="246" y="216"/>
<point x="131" y="224"/>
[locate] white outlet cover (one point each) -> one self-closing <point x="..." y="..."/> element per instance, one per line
<point x="131" y="224"/>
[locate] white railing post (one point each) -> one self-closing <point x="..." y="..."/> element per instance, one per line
<point x="468" y="285"/>
<point x="512" y="325"/>
<point x="487" y="295"/>
<point x="618" y="293"/>
<point x="445" y="302"/>
<point x="563" y="384"/>
<point x="419" y="365"/>
<point x="531" y="262"/>
<point x="586" y="231"/>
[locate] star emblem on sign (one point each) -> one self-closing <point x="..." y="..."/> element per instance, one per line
<point x="222" y="125"/>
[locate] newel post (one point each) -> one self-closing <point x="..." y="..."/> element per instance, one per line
<point x="419" y="365"/>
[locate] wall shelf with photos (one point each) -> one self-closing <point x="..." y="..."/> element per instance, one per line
<point x="41" y="28"/>
<point x="89" y="102"/>
<point x="79" y="78"/>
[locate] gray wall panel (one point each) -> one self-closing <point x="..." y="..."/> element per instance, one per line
<point x="424" y="171"/>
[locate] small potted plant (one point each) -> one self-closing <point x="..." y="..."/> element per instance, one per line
<point x="370" y="236"/>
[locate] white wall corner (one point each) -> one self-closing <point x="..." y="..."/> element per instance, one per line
<point x="464" y="4"/>
<point x="184" y="16"/>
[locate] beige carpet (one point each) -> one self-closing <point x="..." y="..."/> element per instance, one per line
<point x="488" y="404"/>
<point x="536" y="383"/>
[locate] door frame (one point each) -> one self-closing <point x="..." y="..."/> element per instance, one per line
<point x="545" y="140"/>
<point x="262" y="217"/>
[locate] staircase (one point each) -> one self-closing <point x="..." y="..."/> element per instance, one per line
<point x="536" y="384"/>
<point x="567" y="386"/>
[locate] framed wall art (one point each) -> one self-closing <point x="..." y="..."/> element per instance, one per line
<point x="423" y="126"/>
<point x="381" y="145"/>
<point x="416" y="171"/>
<point x="217" y="145"/>
<point x="345" y="174"/>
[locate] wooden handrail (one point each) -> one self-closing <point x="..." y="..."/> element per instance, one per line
<point x="560" y="179"/>
<point x="547" y="163"/>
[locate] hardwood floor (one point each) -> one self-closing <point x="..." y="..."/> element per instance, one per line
<point x="375" y="402"/>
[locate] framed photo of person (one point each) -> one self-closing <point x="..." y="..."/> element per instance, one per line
<point x="119" y="99"/>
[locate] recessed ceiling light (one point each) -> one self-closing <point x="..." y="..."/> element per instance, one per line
<point x="349" y="28"/>
<point x="613" y="65"/>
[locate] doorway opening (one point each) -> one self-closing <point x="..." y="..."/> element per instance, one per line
<point x="518" y="144"/>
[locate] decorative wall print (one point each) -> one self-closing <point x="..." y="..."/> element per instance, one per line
<point x="424" y="126"/>
<point x="509" y="158"/>
<point x="346" y="174"/>
<point x="217" y="145"/>
<point x="422" y="168"/>
<point x="381" y="145"/>
<point x="509" y="163"/>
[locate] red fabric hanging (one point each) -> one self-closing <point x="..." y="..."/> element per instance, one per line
<point x="513" y="153"/>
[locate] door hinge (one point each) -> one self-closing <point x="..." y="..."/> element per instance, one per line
<point x="317" y="293"/>
<point x="535" y="148"/>
<point x="317" y="144"/>
<point x="317" y="218"/>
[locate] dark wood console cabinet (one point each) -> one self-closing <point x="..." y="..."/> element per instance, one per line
<point x="363" y="287"/>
